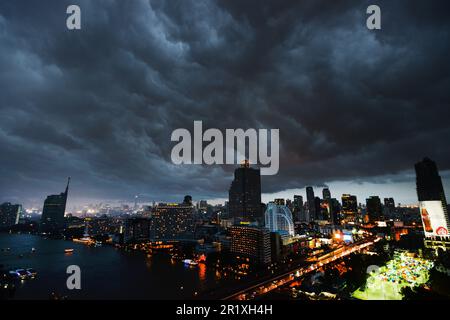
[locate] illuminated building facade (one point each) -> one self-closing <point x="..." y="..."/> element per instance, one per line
<point x="278" y="218"/>
<point x="173" y="222"/>
<point x="9" y="214"/>
<point x="251" y="242"/>
<point x="103" y="225"/>
<point x="245" y="194"/>
<point x="432" y="204"/>
<point x="349" y="207"/>
<point x="52" y="220"/>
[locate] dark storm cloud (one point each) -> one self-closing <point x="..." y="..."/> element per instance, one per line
<point x="100" y="104"/>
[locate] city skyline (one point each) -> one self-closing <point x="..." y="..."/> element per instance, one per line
<point x="407" y="195"/>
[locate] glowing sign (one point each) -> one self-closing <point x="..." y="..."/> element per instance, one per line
<point x="433" y="218"/>
<point x="348" y="237"/>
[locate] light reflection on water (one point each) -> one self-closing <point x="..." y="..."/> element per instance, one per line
<point x="107" y="272"/>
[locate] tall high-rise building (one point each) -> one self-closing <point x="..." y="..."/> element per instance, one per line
<point x="325" y="207"/>
<point x="310" y="203"/>
<point x="245" y="194"/>
<point x="389" y="207"/>
<point x="318" y="209"/>
<point x="433" y="204"/>
<point x="9" y="214"/>
<point x="52" y="220"/>
<point x="326" y="194"/>
<point x="349" y="207"/>
<point x="187" y="200"/>
<point x="374" y="209"/>
<point x="389" y="203"/>
<point x="203" y="204"/>
<point x="335" y="210"/>
<point x="251" y="242"/>
<point x="299" y="212"/>
<point x="280" y="202"/>
<point x="428" y="182"/>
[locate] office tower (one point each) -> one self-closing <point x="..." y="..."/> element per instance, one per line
<point x="279" y="202"/>
<point x="278" y="218"/>
<point x="298" y="208"/>
<point x="389" y="203"/>
<point x="289" y="204"/>
<point x="324" y="209"/>
<point x="173" y="222"/>
<point x="187" y="200"/>
<point x="137" y="230"/>
<point x="251" y="242"/>
<point x="389" y="207"/>
<point x="203" y="205"/>
<point x="335" y="210"/>
<point x="298" y="203"/>
<point x="318" y="209"/>
<point x="326" y="194"/>
<point x="433" y="204"/>
<point x="349" y="207"/>
<point x="52" y="220"/>
<point x="310" y="203"/>
<point x="374" y="209"/>
<point x="245" y="194"/>
<point x="9" y="214"/>
<point x="428" y="182"/>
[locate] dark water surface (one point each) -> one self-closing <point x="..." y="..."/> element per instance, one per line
<point x="106" y="272"/>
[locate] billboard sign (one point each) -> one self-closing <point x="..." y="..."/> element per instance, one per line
<point x="433" y="218"/>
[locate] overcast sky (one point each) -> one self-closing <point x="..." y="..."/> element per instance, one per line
<point x="355" y="108"/>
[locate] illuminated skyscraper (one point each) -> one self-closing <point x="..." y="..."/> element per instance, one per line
<point x="335" y="211"/>
<point x="245" y="194"/>
<point x="433" y="204"/>
<point x="349" y="207"/>
<point x="251" y="242"/>
<point x="52" y="220"/>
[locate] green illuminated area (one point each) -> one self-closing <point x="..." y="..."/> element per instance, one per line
<point x="387" y="282"/>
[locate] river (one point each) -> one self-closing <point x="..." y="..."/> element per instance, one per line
<point x="106" y="272"/>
